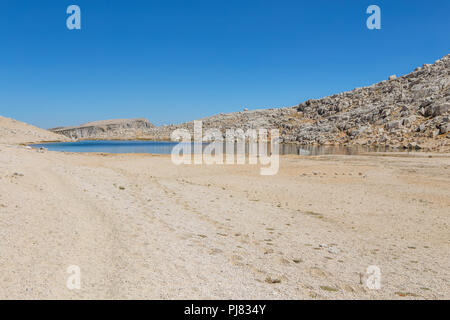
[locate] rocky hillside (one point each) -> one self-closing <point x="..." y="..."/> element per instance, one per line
<point x="108" y="129"/>
<point x="410" y="111"/>
<point x="16" y="132"/>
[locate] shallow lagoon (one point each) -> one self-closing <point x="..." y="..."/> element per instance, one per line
<point x="165" y="147"/>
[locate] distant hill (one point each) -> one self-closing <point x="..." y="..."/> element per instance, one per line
<point x="14" y="132"/>
<point x="107" y="129"/>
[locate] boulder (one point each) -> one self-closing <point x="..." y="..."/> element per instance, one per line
<point x="408" y="121"/>
<point x="435" y="110"/>
<point x="392" y="125"/>
<point x="444" y="128"/>
<point x="441" y="109"/>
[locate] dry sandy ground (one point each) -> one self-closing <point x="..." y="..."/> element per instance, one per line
<point x="13" y="131"/>
<point x="140" y="227"/>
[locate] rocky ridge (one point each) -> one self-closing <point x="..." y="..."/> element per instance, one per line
<point x="411" y="111"/>
<point x="107" y="129"/>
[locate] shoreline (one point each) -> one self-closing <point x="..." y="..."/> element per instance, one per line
<point x="299" y="145"/>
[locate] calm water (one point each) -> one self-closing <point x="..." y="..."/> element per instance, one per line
<point x="162" y="147"/>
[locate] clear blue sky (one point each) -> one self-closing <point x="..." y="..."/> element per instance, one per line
<point x="172" y="61"/>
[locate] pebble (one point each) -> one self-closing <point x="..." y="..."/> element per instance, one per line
<point x="333" y="250"/>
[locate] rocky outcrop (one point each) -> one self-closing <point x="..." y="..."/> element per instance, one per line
<point x="410" y="111"/>
<point x="401" y="112"/>
<point x="108" y="129"/>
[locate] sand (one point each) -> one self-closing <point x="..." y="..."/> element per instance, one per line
<point x="17" y="132"/>
<point x="140" y="227"/>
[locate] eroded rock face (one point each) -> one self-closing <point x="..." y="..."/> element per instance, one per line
<point x="108" y="129"/>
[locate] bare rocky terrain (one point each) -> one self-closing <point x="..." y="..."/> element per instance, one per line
<point x="411" y="111"/>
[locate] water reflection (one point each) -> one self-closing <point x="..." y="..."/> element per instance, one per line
<point x="163" y="147"/>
